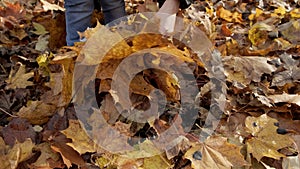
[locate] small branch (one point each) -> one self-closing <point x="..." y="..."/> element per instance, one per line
<point x="3" y="68"/>
<point x="11" y="115"/>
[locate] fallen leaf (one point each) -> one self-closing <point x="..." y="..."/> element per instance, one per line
<point x="14" y="10"/>
<point x="258" y="34"/>
<point x="229" y="16"/>
<point x="19" y="79"/>
<point x="215" y="152"/>
<point x="68" y="154"/>
<point x="37" y="112"/>
<point x="105" y="136"/>
<point x="64" y="84"/>
<point x="155" y="162"/>
<point x="242" y="69"/>
<point x="19" y="152"/>
<point x="39" y="29"/>
<point x="291" y="31"/>
<point x="42" y="43"/>
<point x="290" y="74"/>
<point x="81" y="142"/>
<point x="265" y="141"/>
<point x="143" y="150"/>
<point x="18" y="130"/>
<point x="286" y="98"/>
<point x="48" y="6"/>
<point x="18" y="33"/>
<point x="46" y="158"/>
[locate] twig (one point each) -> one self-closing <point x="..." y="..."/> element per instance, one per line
<point x="11" y="115"/>
<point x="3" y="68"/>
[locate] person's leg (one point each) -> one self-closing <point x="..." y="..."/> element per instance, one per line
<point x="78" y="18"/>
<point x="112" y="9"/>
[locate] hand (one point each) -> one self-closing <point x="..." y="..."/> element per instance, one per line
<point x="167" y="15"/>
<point x="170" y="7"/>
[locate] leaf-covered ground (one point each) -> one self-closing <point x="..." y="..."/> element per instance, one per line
<point x="257" y="42"/>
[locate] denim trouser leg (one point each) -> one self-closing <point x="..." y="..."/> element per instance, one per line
<point x="112" y="9"/>
<point x="79" y="12"/>
<point x="78" y="18"/>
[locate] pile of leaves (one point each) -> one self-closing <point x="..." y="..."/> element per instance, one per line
<point x="257" y="42"/>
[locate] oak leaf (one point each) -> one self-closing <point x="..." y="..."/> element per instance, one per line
<point x="19" y="79"/>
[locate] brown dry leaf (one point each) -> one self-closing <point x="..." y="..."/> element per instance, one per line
<point x="105" y="136"/>
<point x="247" y="69"/>
<point x="46" y="157"/>
<point x="215" y="152"/>
<point x="65" y="83"/>
<point x="18" y="33"/>
<point x="164" y="82"/>
<point x="48" y="6"/>
<point x="81" y="142"/>
<point x="18" y="130"/>
<point x="4" y="161"/>
<point x="155" y="162"/>
<point x="14" y="10"/>
<point x="143" y="150"/>
<point x="18" y="153"/>
<point x="265" y="141"/>
<point x="225" y="30"/>
<point x="90" y="54"/>
<point x="109" y="110"/>
<point x="19" y="79"/>
<point x="127" y="163"/>
<point x="290" y="74"/>
<point x="140" y="86"/>
<point x="182" y="144"/>
<point x="291" y="31"/>
<point x="37" y="112"/>
<point x="286" y="98"/>
<point x="68" y="154"/>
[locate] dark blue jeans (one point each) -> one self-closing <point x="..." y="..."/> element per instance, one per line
<point x="79" y="13"/>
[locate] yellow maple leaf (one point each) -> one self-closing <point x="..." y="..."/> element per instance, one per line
<point x="265" y="141"/>
<point x="258" y="33"/>
<point x="215" y="152"/>
<point x="81" y="142"/>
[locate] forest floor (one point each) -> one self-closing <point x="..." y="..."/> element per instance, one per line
<point x="239" y="109"/>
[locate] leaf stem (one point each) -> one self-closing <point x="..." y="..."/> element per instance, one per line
<point x="3" y="69"/>
<point x="11" y="115"/>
